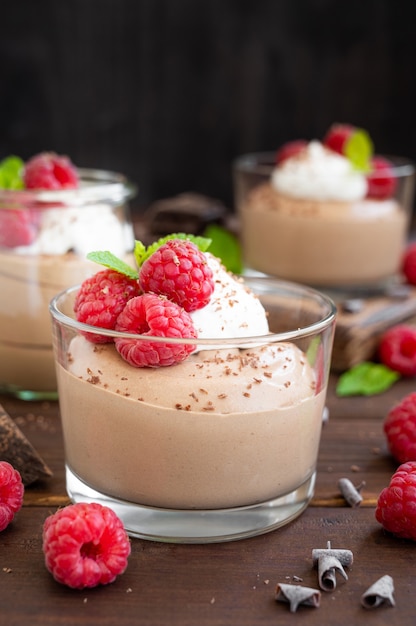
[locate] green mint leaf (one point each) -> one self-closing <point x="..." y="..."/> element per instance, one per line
<point x="366" y="379"/>
<point x="11" y="172"/>
<point x="108" y="259"/>
<point x="225" y="246"/>
<point x="359" y="149"/>
<point x="141" y="253"/>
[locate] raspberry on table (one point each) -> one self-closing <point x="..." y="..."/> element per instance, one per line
<point x="400" y="429"/>
<point x="337" y="136"/>
<point x="396" y="505"/>
<point x="397" y="349"/>
<point x="381" y="180"/>
<point x="153" y="315"/>
<point x="11" y="493"/>
<point x="17" y="228"/>
<point x="180" y="271"/>
<point x="289" y="150"/>
<point x="85" y="545"/>
<point x="49" y="170"/>
<point x="409" y="264"/>
<point x="101" y="298"/>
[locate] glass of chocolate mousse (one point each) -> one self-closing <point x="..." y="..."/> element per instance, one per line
<point x="45" y="234"/>
<point x="309" y="214"/>
<point x="216" y="443"/>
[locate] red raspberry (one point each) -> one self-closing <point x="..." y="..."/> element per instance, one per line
<point x="85" y="545"/>
<point x="289" y="150"/>
<point x="101" y="299"/>
<point x="50" y="171"/>
<point x="178" y="270"/>
<point x="154" y="316"/>
<point x="409" y="264"/>
<point x="396" y="506"/>
<point x="400" y="429"/>
<point x="17" y="228"/>
<point x="11" y="493"/>
<point x="381" y="181"/>
<point x="337" y="136"/>
<point x="397" y="349"/>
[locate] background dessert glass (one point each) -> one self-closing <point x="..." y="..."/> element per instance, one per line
<point x="221" y="446"/>
<point x="60" y="228"/>
<point x="327" y="244"/>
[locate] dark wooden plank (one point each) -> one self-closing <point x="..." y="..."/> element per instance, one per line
<point x="214" y="585"/>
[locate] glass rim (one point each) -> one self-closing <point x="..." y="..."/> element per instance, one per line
<point x="311" y="329"/>
<point x="264" y="163"/>
<point x="99" y="185"/>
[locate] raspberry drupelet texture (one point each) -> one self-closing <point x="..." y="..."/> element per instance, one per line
<point x="396" y="505"/>
<point x="48" y="170"/>
<point x="179" y="271"/>
<point x="101" y="299"/>
<point x="85" y="545"/>
<point x="11" y="493"/>
<point x="400" y="429"/>
<point x="150" y="314"/>
<point x="397" y="349"/>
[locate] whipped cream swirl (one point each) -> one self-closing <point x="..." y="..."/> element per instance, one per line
<point x="320" y="174"/>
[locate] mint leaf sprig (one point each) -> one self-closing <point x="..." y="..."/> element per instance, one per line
<point x="359" y="150"/>
<point x="11" y="173"/>
<point x="366" y="379"/>
<point x="112" y="262"/>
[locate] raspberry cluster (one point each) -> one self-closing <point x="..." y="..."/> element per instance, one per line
<point x="85" y="545"/>
<point x="396" y="505"/>
<point x="11" y="493"/>
<point x="381" y="181"/>
<point x="44" y="171"/>
<point x="173" y="281"/>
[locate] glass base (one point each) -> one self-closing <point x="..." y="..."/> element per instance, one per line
<point x="28" y="395"/>
<point x="196" y="526"/>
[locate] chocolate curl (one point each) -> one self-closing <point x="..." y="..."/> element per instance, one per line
<point x="351" y="493"/>
<point x="16" y="450"/>
<point x="296" y="595"/>
<point x="381" y="592"/>
<point x="329" y="562"/>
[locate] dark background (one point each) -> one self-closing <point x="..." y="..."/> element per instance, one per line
<point x="169" y="92"/>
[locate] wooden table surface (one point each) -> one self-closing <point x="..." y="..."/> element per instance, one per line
<point x="228" y="583"/>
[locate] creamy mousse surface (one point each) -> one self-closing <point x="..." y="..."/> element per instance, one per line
<point x="312" y="223"/>
<point x="30" y="276"/>
<point x="229" y="426"/>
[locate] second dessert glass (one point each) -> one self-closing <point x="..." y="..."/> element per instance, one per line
<point x="45" y="238"/>
<point x="219" y="447"/>
<point x="347" y="244"/>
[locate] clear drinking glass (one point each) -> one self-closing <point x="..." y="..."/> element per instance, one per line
<point x="326" y="244"/>
<point x="44" y="239"/>
<point x="219" y="447"/>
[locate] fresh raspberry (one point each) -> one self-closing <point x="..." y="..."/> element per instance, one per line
<point x="400" y="429"/>
<point x="397" y="349"/>
<point x="101" y="299"/>
<point x="11" y="493"/>
<point x="50" y="171"/>
<point x="337" y="136"/>
<point x="409" y="264"/>
<point x="290" y="149"/>
<point x="396" y="506"/>
<point x="156" y="316"/>
<point x="17" y="228"/>
<point x="85" y="545"/>
<point x="178" y="270"/>
<point x="381" y="180"/>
